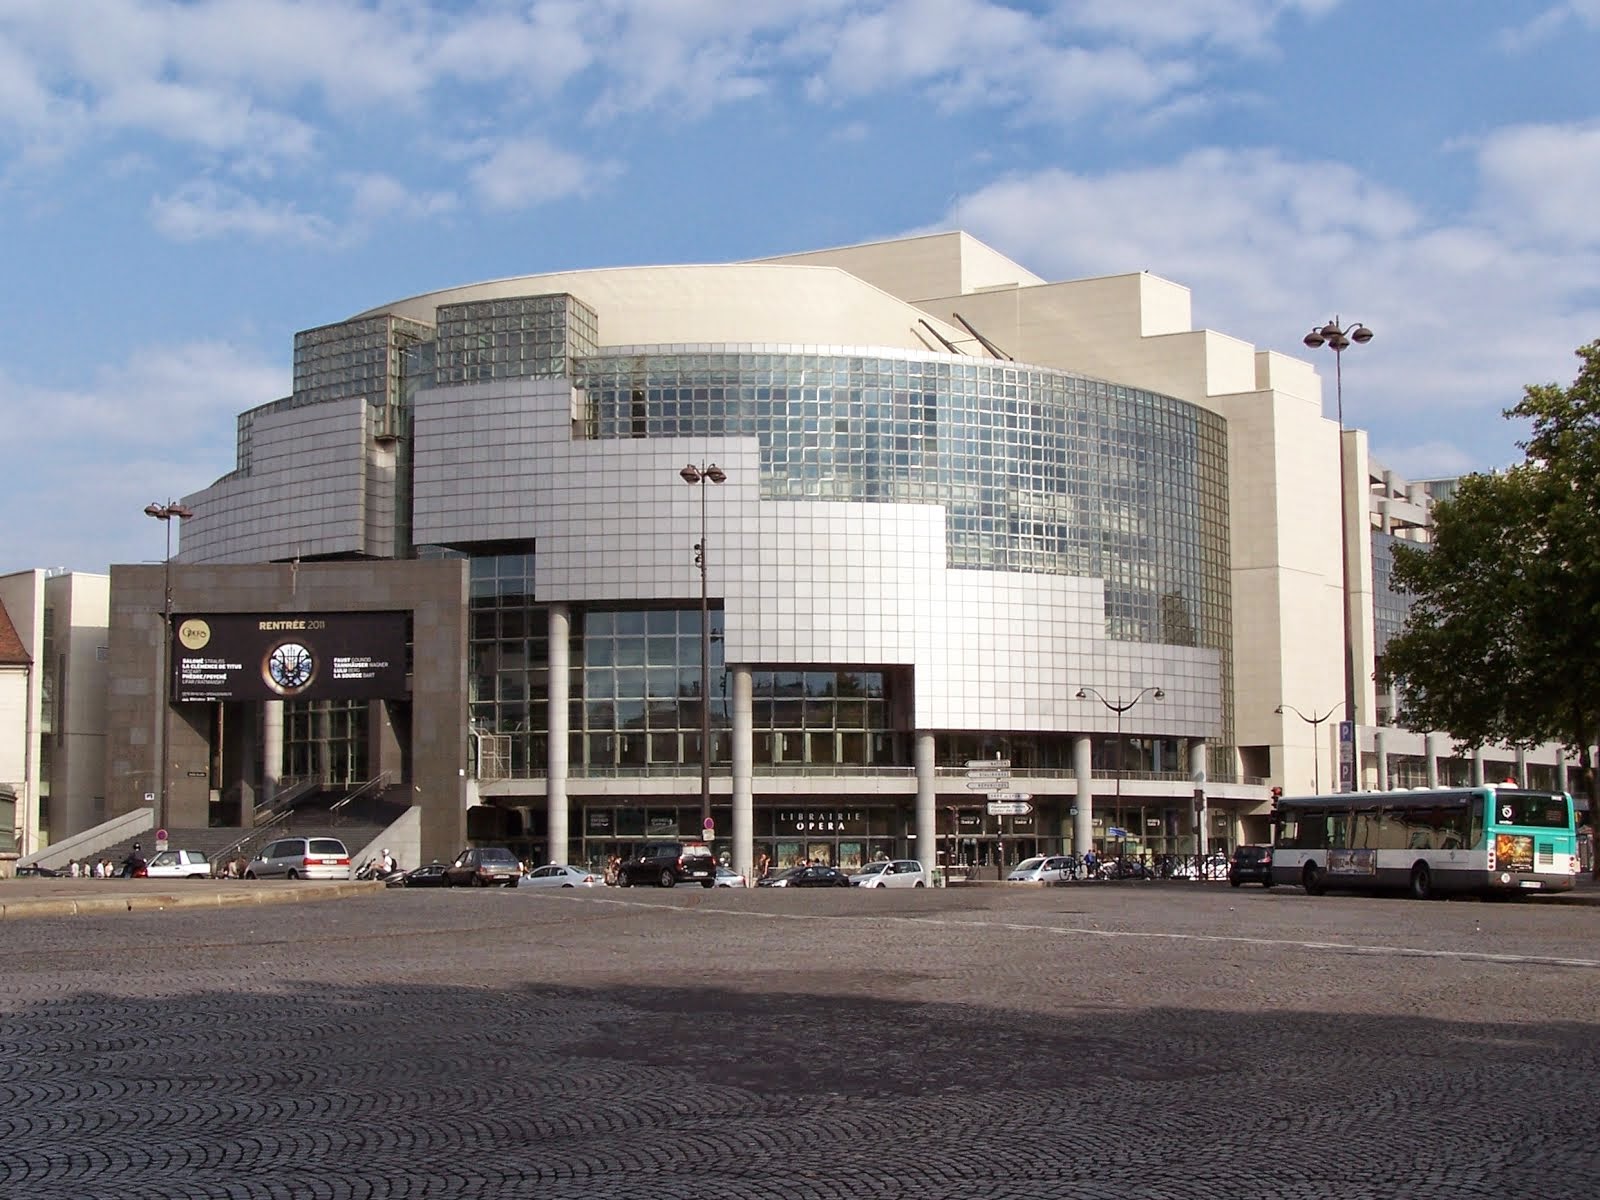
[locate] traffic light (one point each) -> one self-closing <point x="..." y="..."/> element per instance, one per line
<point x="1277" y="794"/>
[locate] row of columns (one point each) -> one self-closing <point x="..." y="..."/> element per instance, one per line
<point x="743" y="766"/>
<point x="1434" y="746"/>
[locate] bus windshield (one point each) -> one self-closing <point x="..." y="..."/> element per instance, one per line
<point x="1540" y="810"/>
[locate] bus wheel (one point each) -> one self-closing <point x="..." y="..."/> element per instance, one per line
<point x="1311" y="880"/>
<point x="1421" y="882"/>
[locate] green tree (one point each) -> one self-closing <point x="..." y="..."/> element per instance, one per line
<point x="1503" y="640"/>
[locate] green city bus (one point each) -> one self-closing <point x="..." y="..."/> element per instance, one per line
<point x="1428" y="841"/>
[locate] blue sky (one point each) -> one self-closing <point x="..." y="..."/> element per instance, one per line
<point x="185" y="185"/>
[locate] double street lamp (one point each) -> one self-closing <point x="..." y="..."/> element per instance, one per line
<point x="166" y="514"/>
<point x="699" y="477"/>
<point x="1120" y="706"/>
<point x="1338" y="338"/>
<point x="1316" y="741"/>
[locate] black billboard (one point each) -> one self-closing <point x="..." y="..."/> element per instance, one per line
<point x="305" y="656"/>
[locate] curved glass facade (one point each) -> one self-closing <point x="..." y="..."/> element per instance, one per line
<point x="1038" y="470"/>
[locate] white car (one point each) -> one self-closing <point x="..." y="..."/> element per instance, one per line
<point x="1042" y="868"/>
<point x="558" y="875"/>
<point x="178" y="864"/>
<point x="728" y="877"/>
<point x="899" y="872"/>
<point x="301" y="858"/>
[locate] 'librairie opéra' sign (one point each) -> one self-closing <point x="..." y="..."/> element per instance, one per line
<point x="303" y="656"/>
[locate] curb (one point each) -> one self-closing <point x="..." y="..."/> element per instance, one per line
<point x="144" y="902"/>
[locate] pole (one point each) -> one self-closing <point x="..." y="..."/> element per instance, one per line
<point x="1344" y="543"/>
<point x="698" y="477"/>
<point x="705" y="670"/>
<point x="166" y="514"/>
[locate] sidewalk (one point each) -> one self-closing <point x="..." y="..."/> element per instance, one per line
<point x="99" y="897"/>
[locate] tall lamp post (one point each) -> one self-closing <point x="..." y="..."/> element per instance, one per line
<point x="1338" y="339"/>
<point x="1120" y="706"/>
<point x="166" y="514"/>
<point x="699" y="477"/>
<point x="1316" y="742"/>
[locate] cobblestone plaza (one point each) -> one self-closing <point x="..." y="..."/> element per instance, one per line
<point x="1145" y="1040"/>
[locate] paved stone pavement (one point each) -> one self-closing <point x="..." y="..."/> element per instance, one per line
<point x="1126" y="1040"/>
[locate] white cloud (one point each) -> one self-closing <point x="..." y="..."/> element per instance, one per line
<point x="1466" y="314"/>
<point x="1548" y="24"/>
<point x="202" y="209"/>
<point x="1543" y="181"/>
<point x="84" y="461"/>
<point x="530" y="170"/>
<point x="374" y="196"/>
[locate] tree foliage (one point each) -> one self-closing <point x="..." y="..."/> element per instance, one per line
<point x="1502" y="643"/>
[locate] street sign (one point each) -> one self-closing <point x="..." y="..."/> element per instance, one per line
<point x="988" y="764"/>
<point x="989" y="783"/>
<point x="1001" y="795"/>
<point x="1009" y="808"/>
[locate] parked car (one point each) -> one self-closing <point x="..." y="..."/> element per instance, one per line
<point x="300" y="858"/>
<point x="886" y="873"/>
<point x="668" y="864"/>
<point x="484" y="866"/>
<point x="1212" y="866"/>
<point x="728" y="877"/>
<point x="178" y="864"/>
<point x="1042" y="868"/>
<point x="561" y="876"/>
<point x="429" y="875"/>
<point x="1251" y="864"/>
<point x="35" y="871"/>
<point x="807" y="877"/>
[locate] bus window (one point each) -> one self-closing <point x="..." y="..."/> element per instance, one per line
<point x="1539" y="811"/>
<point x="1314" y="829"/>
<point x="1475" y="827"/>
<point x="1394" y="832"/>
<point x="1364" y="829"/>
<point x="1289" y="831"/>
<point x="1338" y="830"/>
<point x="1450" y="828"/>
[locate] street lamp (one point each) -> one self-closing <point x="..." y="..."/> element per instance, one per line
<point x="1120" y="706"/>
<point x="1338" y="338"/>
<point x="1316" y="742"/>
<point x="166" y="514"/>
<point x="699" y="477"/>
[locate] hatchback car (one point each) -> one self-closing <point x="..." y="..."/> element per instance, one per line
<point x="668" y="864"/>
<point x="807" y="877"/>
<point x="1251" y="864"/>
<point x="484" y="866"/>
<point x="561" y="876"/>
<point x="901" y="873"/>
<point x="427" y="875"/>
<point x="1042" y="868"/>
<point x="728" y="877"/>
<point x="300" y="858"/>
<point x="178" y="864"/>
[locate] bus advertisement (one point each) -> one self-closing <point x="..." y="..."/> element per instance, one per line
<point x="1428" y="841"/>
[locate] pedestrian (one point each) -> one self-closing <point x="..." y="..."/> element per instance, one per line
<point x="72" y="869"/>
<point x="764" y="867"/>
<point x="133" y="864"/>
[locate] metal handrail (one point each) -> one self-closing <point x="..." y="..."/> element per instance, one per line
<point x="377" y="783"/>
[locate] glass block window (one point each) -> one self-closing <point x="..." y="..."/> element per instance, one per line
<point x="354" y="358"/>
<point x="517" y="337"/>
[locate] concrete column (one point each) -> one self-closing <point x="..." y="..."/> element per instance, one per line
<point x="1522" y="768"/>
<point x="556" y="757"/>
<point x="1561" y="771"/>
<point x="1477" y="766"/>
<point x="271" y="755"/>
<point x="1083" y="823"/>
<point x="927" y="813"/>
<point x="1197" y="773"/>
<point x="1430" y="757"/>
<point x="744" y="812"/>
<point x="1380" y="756"/>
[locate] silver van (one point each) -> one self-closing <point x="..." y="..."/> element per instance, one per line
<point x="300" y="858"/>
